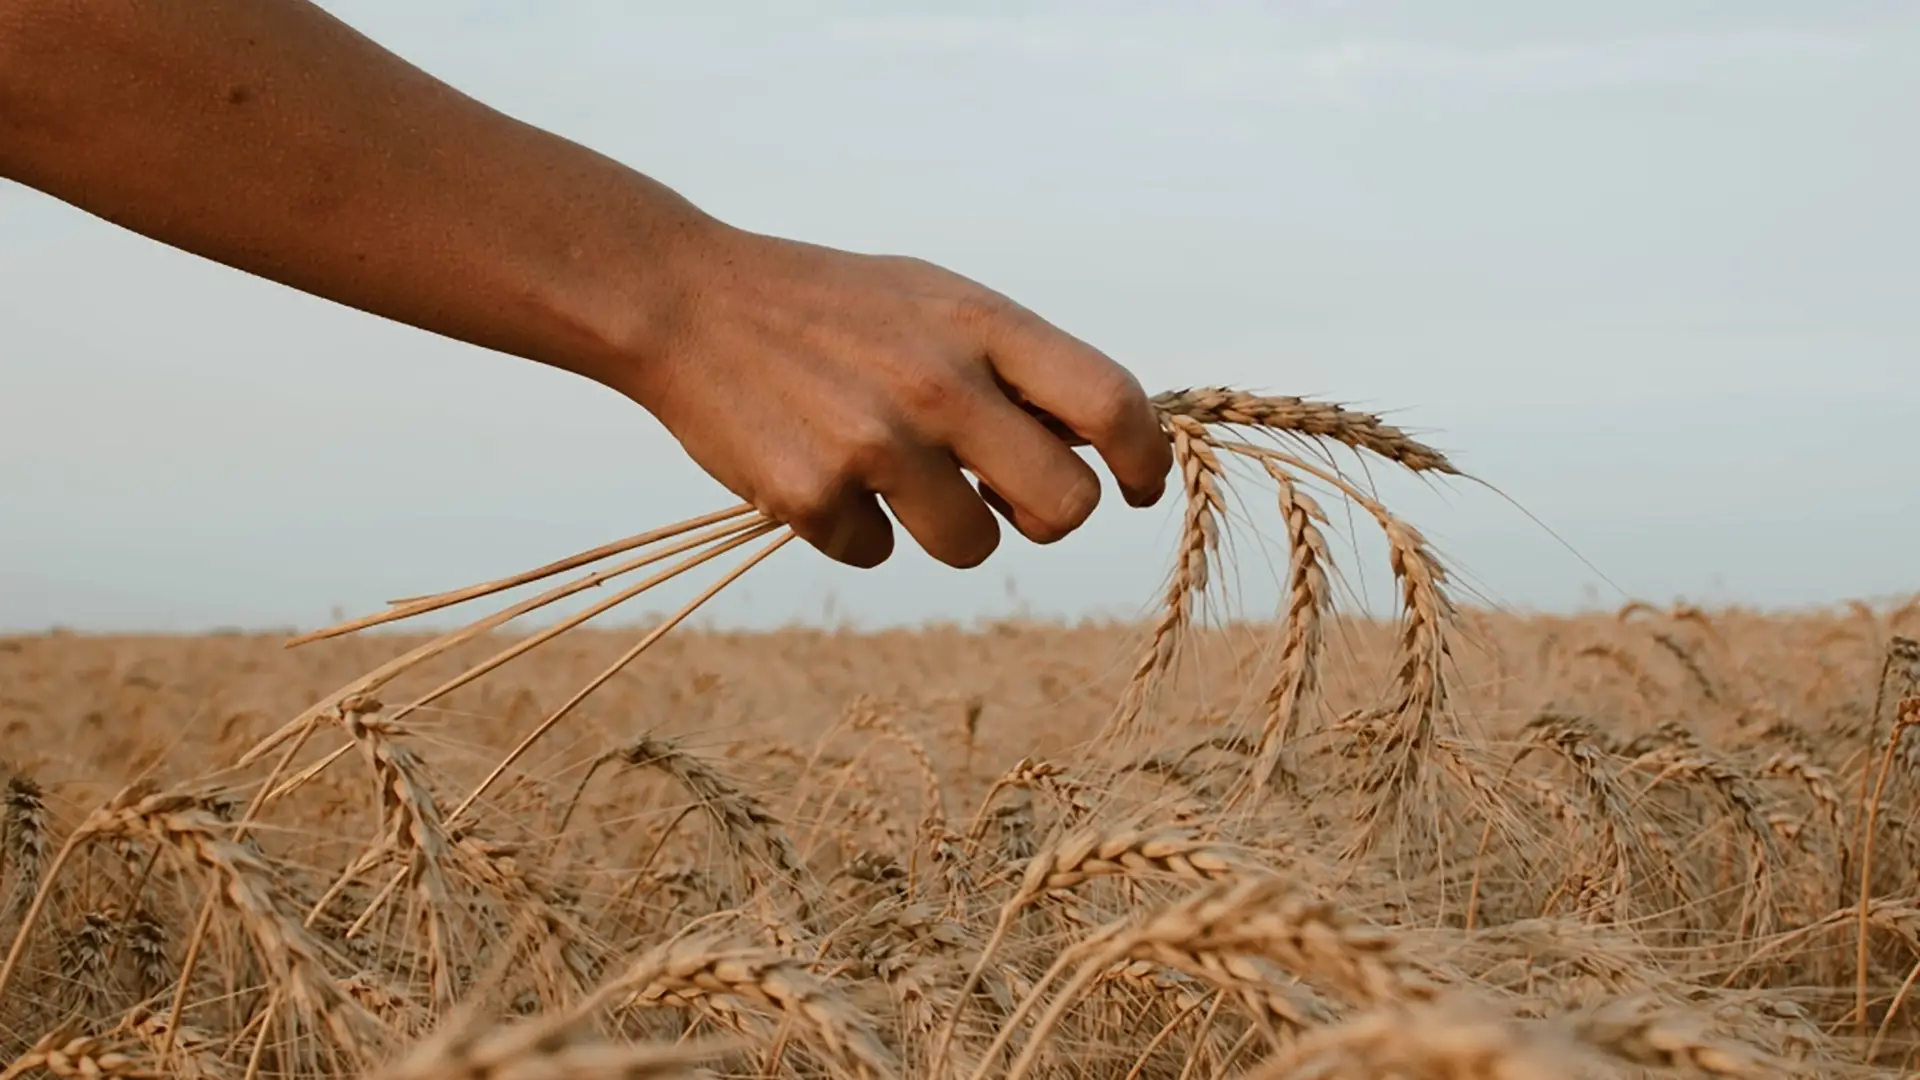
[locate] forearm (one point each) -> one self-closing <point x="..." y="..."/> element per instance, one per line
<point x="269" y="136"/>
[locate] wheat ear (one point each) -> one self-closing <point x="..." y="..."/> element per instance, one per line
<point x="81" y="1058"/>
<point x="23" y="840"/>
<point x="1421" y="651"/>
<point x="1309" y="601"/>
<point x="748" y="825"/>
<point x="1202" y="481"/>
<point x="413" y="826"/>
<point x="686" y="971"/>
<point x="1297" y="416"/>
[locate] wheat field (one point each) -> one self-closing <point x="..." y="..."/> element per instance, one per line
<point x="1457" y="842"/>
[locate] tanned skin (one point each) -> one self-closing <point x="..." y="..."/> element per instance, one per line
<point x="270" y="136"/>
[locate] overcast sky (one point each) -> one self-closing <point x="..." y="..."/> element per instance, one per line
<point x="1650" y="268"/>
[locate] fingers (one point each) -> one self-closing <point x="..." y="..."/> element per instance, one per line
<point x="1027" y="473"/>
<point x="934" y="503"/>
<point x="836" y="507"/>
<point x="830" y="495"/>
<point x="849" y="528"/>
<point x="1083" y="389"/>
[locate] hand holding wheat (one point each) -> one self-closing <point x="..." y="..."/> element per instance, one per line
<point x="1191" y="423"/>
<point x="816" y="383"/>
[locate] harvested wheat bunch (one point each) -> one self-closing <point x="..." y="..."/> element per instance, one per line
<point x="1203" y="426"/>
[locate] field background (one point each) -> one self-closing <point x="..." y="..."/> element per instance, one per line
<point x="1656" y="807"/>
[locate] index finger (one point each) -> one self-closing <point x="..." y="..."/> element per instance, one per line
<point x="1064" y="380"/>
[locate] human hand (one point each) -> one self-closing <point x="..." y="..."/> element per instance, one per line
<point x="814" y="383"/>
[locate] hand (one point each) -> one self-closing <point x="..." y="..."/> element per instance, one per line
<point x="814" y="382"/>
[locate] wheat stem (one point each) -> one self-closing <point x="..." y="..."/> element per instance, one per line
<point x="615" y="668"/>
<point x="420" y="605"/>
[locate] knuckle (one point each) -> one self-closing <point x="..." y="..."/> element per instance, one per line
<point x="867" y="450"/>
<point x="1109" y="403"/>
<point x="800" y="496"/>
<point x="977" y="310"/>
<point x="931" y="396"/>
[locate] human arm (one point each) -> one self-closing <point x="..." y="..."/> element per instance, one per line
<point x="269" y="136"/>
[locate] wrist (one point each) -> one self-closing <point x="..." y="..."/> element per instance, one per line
<point x="627" y="294"/>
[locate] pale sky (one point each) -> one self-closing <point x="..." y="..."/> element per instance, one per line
<point x="1650" y="268"/>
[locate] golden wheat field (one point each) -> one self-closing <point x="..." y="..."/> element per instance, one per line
<point x="1454" y="843"/>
